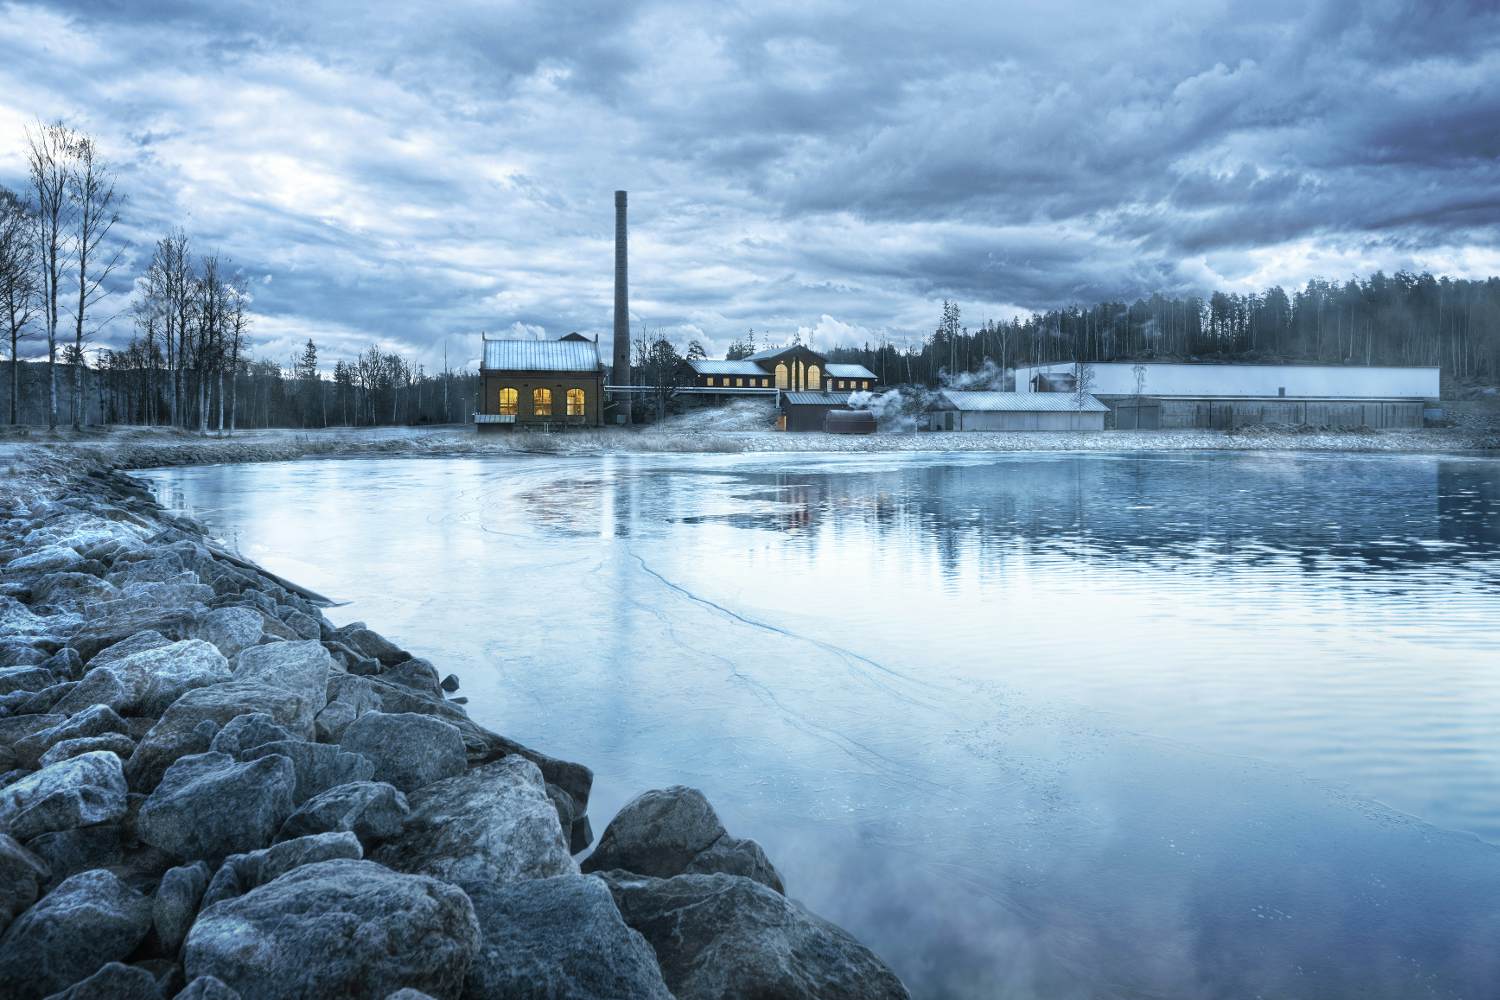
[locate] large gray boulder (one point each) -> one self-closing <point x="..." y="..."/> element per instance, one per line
<point x="230" y="629"/>
<point x="408" y="750"/>
<point x="175" y="904"/>
<point x="50" y="559"/>
<point x="242" y="872"/>
<point x="115" y="981"/>
<point x="207" y="988"/>
<point x="209" y="805"/>
<point x="80" y="791"/>
<point x="68" y="852"/>
<point x="301" y="667"/>
<point x="558" y="937"/>
<point x="145" y="683"/>
<point x="120" y="620"/>
<point x="137" y="643"/>
<point x="25" y="679"/>
<point x="673" y="831"/>
<point x="22" y="875"/>
<point x="71" y="591"/>
<point x="489" y="826"/>
<point x="319" y="766"/>
<point x="371" y="810"/>
<point x="728" y="937"/>
<point x="337" y="929"/>
<point x="89" y="920"/>
<point x="177" y="734"/>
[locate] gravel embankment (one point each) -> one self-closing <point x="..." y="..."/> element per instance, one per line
<point x="207" y="790"/>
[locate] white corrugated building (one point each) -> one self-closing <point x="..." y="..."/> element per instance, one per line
<point x="1154" y="394"/>
<point x="954" y="410"/>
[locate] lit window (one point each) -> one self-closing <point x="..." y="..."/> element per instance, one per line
<point x="781" y="375"/>
<point x="814" y="378"/>
<point x="739" y="382"/>
<point x="575" y="402"/>
<point x="541" y="402"/>
<point x="710" y="380"/>
<point x="509" y="399"/>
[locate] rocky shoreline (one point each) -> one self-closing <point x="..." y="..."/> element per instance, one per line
<point x="209" y="791"/>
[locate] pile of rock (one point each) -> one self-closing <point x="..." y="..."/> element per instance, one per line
<point x="207" y="790"/>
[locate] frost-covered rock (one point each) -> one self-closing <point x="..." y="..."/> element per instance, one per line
<point x="116" y="743"/>
<point x="115" y="981"/>
<point x="242" y="872"/>
<point x="372" y="810"/>
<point x="558" y="937"/>
<point x="673" y="831"/>
<point x="81" y="849"/>
<point x="337" y="928"/>
<point x="300" y="667"/>
<point x="207" y="988"/>
<point x="372" y="644"/>
<point x="137" y="643"/>
<point x="49" y="559"/>
<point x="80" y="791"/>
<point x="25" y="679"/>
<point x="407" y="750"/>
<point x="175" y="904"/>
<point x="145" y="683"/>
<point x="230" y="629"/>
<point x="72" y="591"/>
<point x="491" y="825"/>
<point x="89" y="920"/>
<point x="22" y="875"/>
<point x="96" y="720"/>
<point x="178" y="732"/>
<point x="244" y="732"/>
<point x="209" y="805"/>
<point x="319" y="766"/>
<point x="730" y="938"/>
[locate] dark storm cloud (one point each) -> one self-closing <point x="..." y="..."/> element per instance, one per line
<point x="406" y="174"/>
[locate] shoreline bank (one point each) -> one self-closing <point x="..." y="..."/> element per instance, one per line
<point x="190" y="752"/>
<point x="139" y="448"/>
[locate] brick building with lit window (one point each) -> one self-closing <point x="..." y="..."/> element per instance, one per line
<point x="540" y="383"/>
<point x="790" y="369"/>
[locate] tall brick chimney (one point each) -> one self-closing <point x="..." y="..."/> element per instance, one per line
<point x="621" y="373"/>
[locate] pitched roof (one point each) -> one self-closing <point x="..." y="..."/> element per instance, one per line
<point x="816" y="398"/>
<point x="541" y="356"/>
<point x="847" y="371"/>
<point x="709" y="366"/>
<point x="1023" y="402"/>
<point x="773" y="352"/>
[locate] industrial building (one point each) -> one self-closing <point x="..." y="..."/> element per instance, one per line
<point x="1148" y="395"/>
<point x="540" y="383"/>
<point x="953" y="410"/>
<point x="807" y="411"/>
<point x="790" y="369"/>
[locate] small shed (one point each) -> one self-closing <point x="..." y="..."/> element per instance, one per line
<point x="806" y="411"/>
<point x="952" y="410"/>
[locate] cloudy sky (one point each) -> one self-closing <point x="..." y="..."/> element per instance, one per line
<point x="405" y="176"/>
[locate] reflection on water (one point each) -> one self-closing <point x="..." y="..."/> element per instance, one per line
<point x="1030" y="725"/>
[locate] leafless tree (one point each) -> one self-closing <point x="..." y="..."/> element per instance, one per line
<point x="18" y="282"/>
<point x="236" y="323"/>
<point x="49" y="149"/>
<point x="91" y="188"/>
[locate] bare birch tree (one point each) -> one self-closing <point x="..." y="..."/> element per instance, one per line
<point x="91" y="188"/>
<point x="49" y="148"/>
<point x="18" y="282"/>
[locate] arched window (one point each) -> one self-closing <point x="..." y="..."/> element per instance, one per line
<point x="781" y="375"/>
<point x="541" y="402"/>
<point x="575" y="402"/>
<point x="814" y="378"/>
<point x="509" y="399"/>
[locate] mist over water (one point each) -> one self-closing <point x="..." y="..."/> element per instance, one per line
<point x="1041" y="725"/>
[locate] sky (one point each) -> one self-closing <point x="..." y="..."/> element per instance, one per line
<point x="411" y="175"/>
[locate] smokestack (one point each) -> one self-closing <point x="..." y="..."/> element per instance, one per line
<point x="621" y="372"/>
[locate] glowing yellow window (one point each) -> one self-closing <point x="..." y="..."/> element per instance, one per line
<point x="739" y="382"/>
<point x="509" y="400"/>
<point x="541" y="402"/>
<point x="710" y="380"/>
<point x="575" y="402"/>
<point x="814" y="378"/>
<point x="781" y="381"/>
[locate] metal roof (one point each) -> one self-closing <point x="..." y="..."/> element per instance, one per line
<point x="816" y="398"/>
<point x="771" y="352"/>
<point x="541" y="356"/>
<point x="848" y="371"/>
<point x="708" y="366"/>
<point x="1204" y="379"/>
<point x="1022" y="402"/>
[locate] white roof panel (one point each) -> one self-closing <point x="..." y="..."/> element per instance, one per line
<point x="1022" y="402"/>
<point x="1118" y="378"/>
<point x="541" y="356"/>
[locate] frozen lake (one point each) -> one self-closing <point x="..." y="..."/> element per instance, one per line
<point x="1030" y="725"/>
